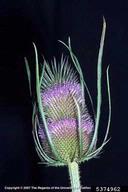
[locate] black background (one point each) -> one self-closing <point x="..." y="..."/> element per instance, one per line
<point x="44" y="22"/>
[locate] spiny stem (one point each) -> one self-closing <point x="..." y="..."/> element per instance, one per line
<point x="74" y="177"/>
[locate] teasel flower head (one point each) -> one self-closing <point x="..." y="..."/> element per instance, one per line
<point x="64" y="131"/>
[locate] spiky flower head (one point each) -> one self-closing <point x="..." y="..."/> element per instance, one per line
<point x="66" y="114"/>
<point x="63" y="129"/>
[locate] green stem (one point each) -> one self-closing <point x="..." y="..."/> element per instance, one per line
<point x="74" y="177"/>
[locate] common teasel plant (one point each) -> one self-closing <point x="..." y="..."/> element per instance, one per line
<point x="64" y="132"/>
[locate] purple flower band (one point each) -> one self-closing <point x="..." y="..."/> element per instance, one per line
<point x="66" y="127"/>
<point x="61" y="90"/>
